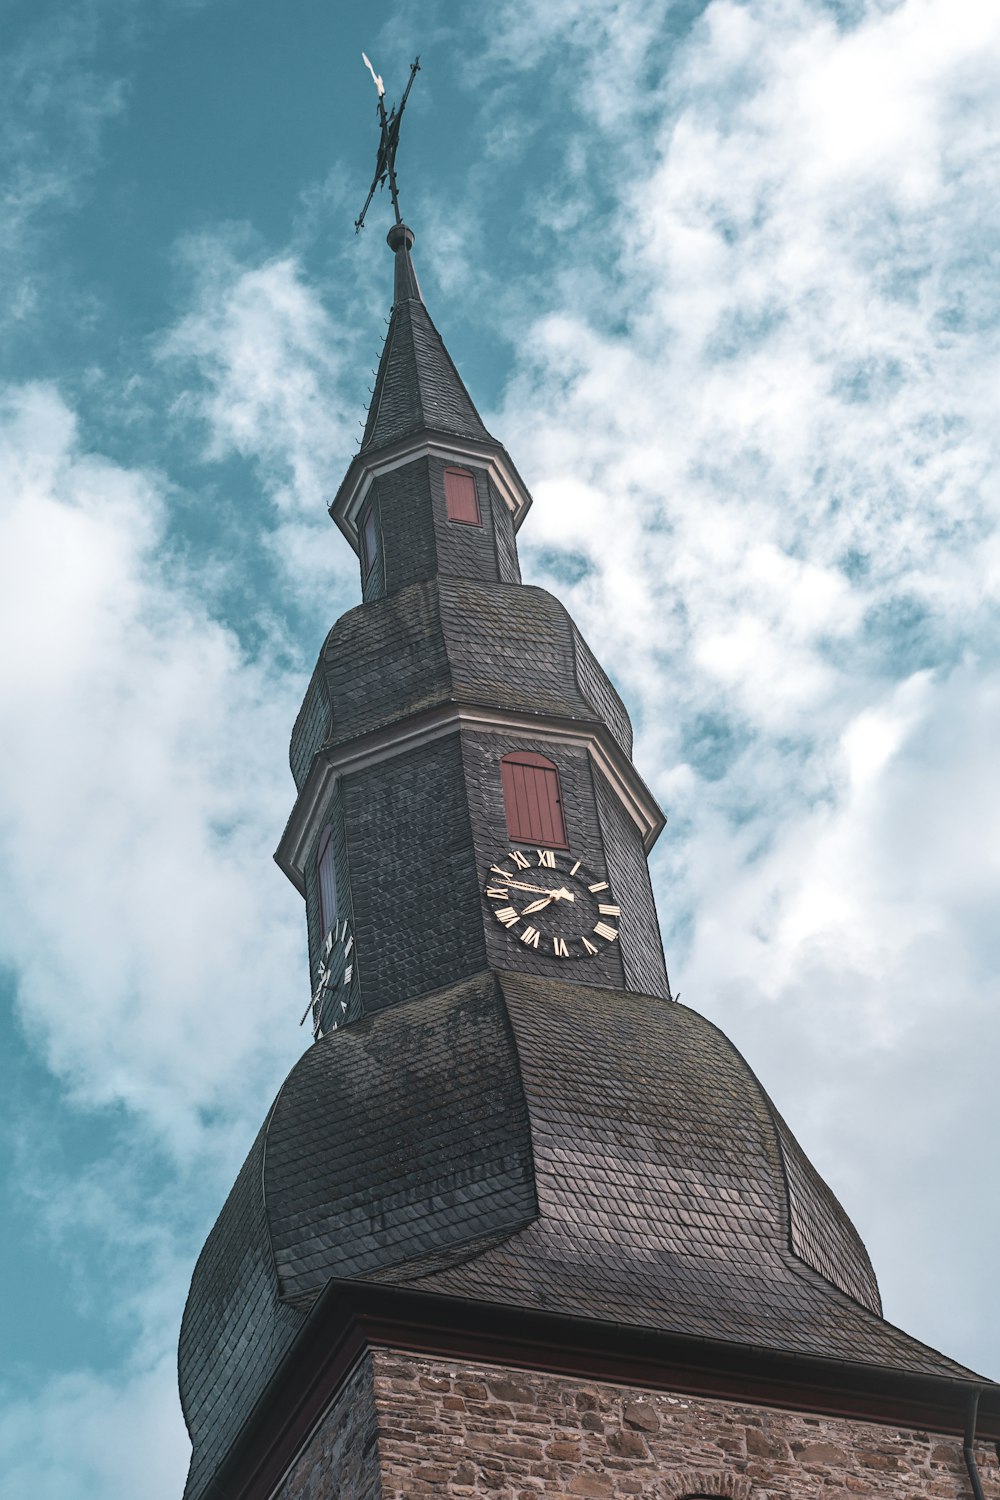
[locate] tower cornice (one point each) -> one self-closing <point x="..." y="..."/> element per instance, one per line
<point x="332" y="762"/>
<point x="367" y="465"/>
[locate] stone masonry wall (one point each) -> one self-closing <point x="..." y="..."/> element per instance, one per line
<point x="341" y="1459"/>
<point x="447" y="1428"/>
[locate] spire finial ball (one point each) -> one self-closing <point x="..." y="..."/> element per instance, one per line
<point x="399" y="235"/>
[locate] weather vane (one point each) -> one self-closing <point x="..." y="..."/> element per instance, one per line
<point x="385" y="162"/>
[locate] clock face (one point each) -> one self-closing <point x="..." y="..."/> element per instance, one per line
<point x="333" y="980"/>
<point x="552" y="903"/>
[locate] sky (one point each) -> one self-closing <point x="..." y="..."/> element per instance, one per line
<point x="723" y="277"/>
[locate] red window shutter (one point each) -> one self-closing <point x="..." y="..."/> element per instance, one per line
<point x="460" y="497"/>
<point x="532" y="800"/>
<point x="327" y="872"/>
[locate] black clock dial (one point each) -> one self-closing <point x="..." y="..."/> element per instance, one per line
<point x="552" y="903"/>
<point x="333" y="980"/>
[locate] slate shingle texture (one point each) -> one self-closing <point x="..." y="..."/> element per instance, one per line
<point x="453" y="640"/>
<point x="660" y="1168"/>
<point x="236" y="1329"/>
<point x="537" y="1143"/>
<point x="417" y="385"/>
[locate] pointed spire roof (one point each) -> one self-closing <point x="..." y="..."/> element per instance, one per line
<point x="417" y="386"/>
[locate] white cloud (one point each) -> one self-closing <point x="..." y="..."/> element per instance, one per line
<point x="275" y="381"/>
<point x="88" y="1435"/>
<point x="270" y="358"/>
<point x="774" y="439"/>
<point x="142" y="755"/>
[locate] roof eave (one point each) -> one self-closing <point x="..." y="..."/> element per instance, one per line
<point x="427" y="442"/>
<point x="333" y="761"/>
<point x="352" y="1316"/>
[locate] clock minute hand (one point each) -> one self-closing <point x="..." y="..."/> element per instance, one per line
<point x="520" y="885"/>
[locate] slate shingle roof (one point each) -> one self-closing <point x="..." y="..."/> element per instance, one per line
<point x="236" y="1329"/>
<point x="451" y="640"/>
<point x="661" y="1172"/>
<point x="398" y="1143"/>
<point x="417" y="385"/>
<point x="540" y="1144"/>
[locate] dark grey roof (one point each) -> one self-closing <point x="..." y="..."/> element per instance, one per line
<point x="537" y="1143"/>
<point x="417" y="385"/>
<point x="399" y="1143"/>
<point x="821" y="1233"/>
<point x="451" y="640"/>
<point x="662" y="1178"/>
<point x="235" y="1328"/>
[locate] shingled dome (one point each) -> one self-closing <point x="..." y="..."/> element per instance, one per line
<point x="522" y="1141"/>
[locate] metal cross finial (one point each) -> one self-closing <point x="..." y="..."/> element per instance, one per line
<point x="385" y="162"/>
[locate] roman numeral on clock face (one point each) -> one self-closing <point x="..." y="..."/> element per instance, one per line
<point x="601" y="885"/>
<point x="588" y="945"/>
<point x="519" y="860"/>
<point x="500" y="893"/>
<point x="508" y="916"/>
<point x="605" y="931"/>
<point x="530" y="935"/>
<point x="547" y="858"/>
<point x="559" y="948"/>
<point x="610" y="911"/>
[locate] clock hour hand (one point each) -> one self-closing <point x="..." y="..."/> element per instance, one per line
<point x="537" y="905"/>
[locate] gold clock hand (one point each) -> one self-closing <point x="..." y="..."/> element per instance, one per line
<point x="562" y="894"/>
<point x="520" y="885"/>
<point x="537" y="905"/>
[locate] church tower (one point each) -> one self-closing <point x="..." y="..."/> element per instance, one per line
<point x="518" y="1223"/>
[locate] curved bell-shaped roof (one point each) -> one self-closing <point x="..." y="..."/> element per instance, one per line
<point x="547" y="1145"/>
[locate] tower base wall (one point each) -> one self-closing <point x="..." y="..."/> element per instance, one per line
<point x="404" y="1426"/>
<point x="342" y="1458"/>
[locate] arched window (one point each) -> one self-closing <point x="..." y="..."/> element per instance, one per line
<point x="532" y="800"/>
<point x="326" y="870"/>
<point x="460" y="497"/>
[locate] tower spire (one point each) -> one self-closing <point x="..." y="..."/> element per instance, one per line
<point x="417" y="386"/>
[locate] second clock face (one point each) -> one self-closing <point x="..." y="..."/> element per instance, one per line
<point x="333" y="980"/>
<point x="552" y="903"/>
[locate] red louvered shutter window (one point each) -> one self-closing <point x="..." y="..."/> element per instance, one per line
<point x="327" y="872"/>
<point x="460" y="497"/>
<point x="532" y="800"/>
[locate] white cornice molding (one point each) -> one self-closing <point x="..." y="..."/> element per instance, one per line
<point x="365" y="468"/>
<point x="332" y="762"/>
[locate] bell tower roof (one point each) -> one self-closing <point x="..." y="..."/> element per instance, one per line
<point x="417" y="386"/>
<point x="419" y="405"/>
